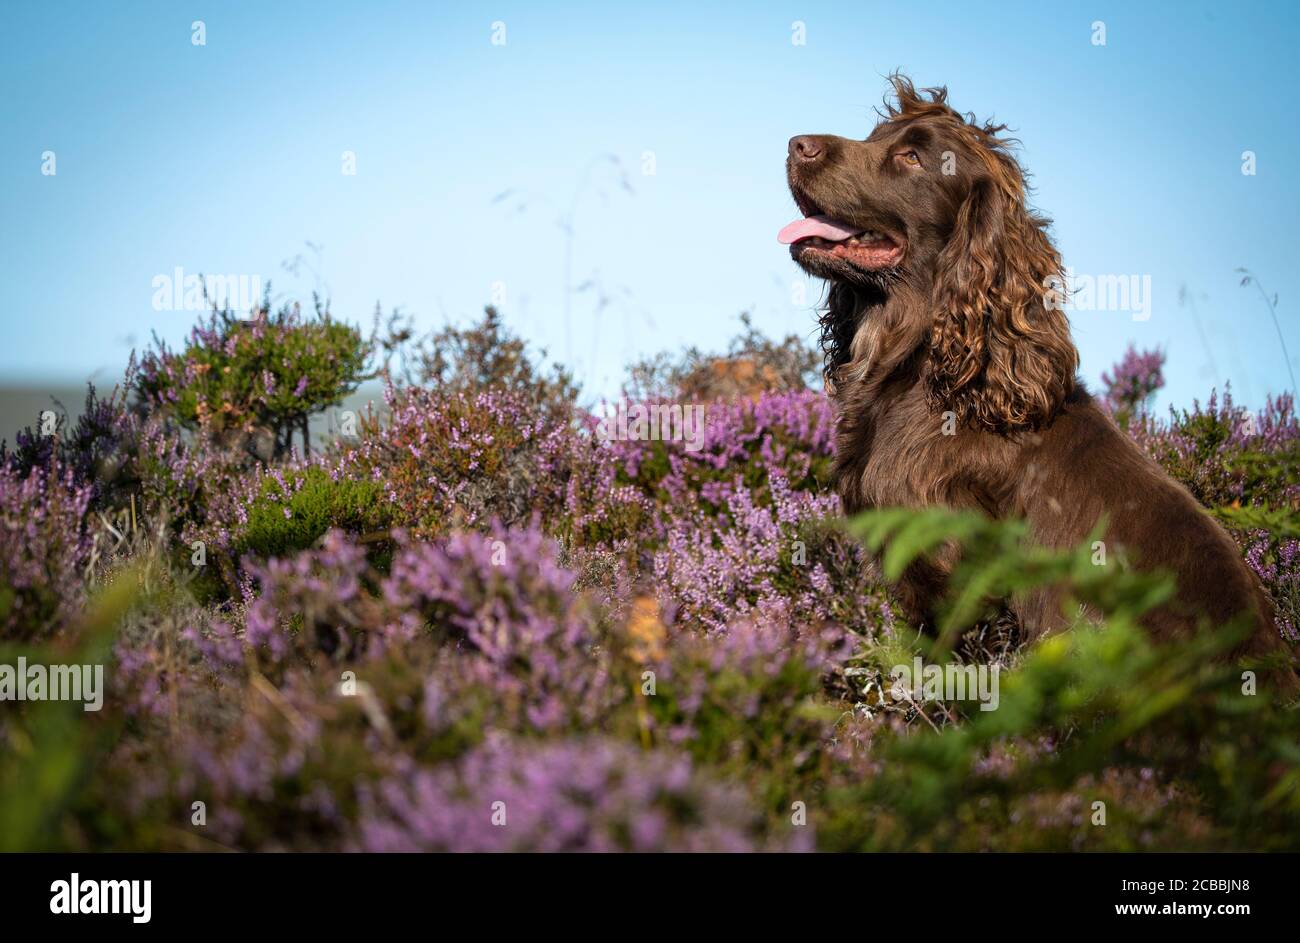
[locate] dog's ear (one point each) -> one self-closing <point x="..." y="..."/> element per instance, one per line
<point x="1000" y="355"/>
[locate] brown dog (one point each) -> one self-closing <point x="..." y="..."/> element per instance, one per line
<point x="953" y="371"/>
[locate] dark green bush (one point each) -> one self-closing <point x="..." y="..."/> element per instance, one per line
<point x="282" y="521"/>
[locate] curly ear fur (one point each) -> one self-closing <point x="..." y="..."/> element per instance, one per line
<point x="1001" y="357"/>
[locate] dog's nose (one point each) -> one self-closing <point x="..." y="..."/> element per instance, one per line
<point x="805" y="147"/>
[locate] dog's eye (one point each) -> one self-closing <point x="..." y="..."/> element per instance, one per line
<point x="910" y="158"/>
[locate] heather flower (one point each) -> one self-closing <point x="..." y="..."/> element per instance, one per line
<point x="629" y="645"/>
<point x="44" y="546"/>
<point x="1131" y="383"/>
<point x="1225" y="454"/>
<point x="461" y="457"/>
<point x="1277" y="564"/>
<point x="125" y="455"/>
<point x="572" y="795"/>
<point x="776" y="562"/>
<point x="733" y="697"/>
<point x="312" y="601"/>
<point x="503" y="600"/>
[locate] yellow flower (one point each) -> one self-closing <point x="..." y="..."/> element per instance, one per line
<point x="645" y="630"/>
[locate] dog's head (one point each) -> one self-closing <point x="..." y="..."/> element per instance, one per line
<point x="934" y="203"/>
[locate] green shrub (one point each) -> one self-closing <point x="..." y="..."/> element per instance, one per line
<point x="291" y="514"/>
<point x="237" y="378"/>
<point x="1171" y="737"/>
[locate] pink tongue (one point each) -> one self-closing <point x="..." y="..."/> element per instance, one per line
<point x="824" y="226"/>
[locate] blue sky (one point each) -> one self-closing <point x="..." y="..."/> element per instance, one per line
<point x="227" y="158"/>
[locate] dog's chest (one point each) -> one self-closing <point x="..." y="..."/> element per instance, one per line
<point x="894" y="452"/>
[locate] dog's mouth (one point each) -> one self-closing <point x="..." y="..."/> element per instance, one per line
<point x="871" y="250"/>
